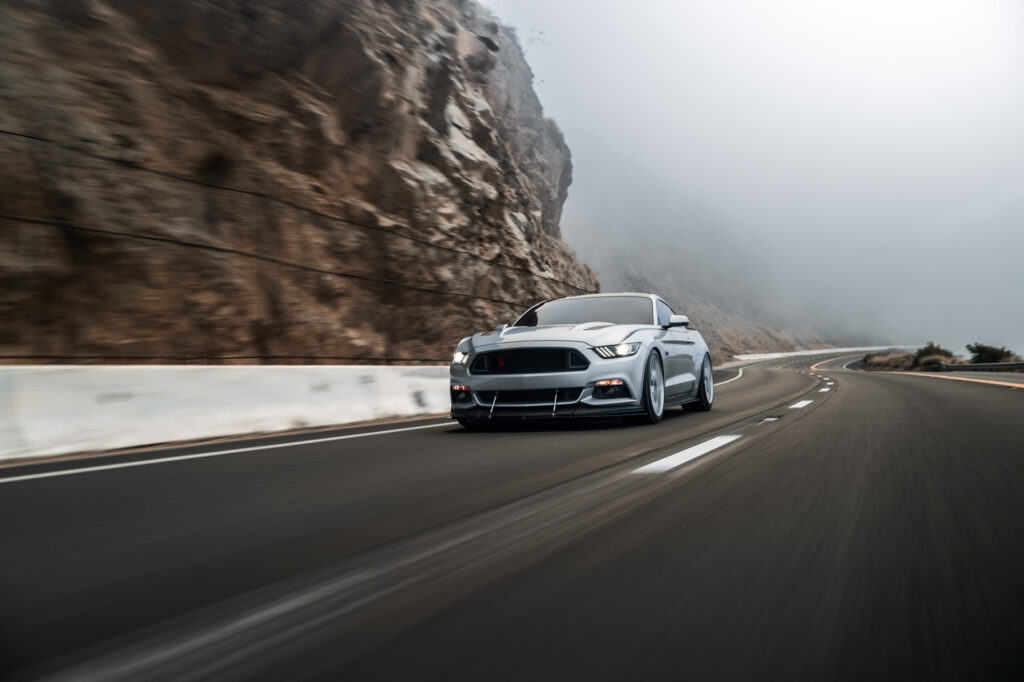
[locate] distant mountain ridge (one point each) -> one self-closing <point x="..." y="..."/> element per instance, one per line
<point x="727" y="332"/>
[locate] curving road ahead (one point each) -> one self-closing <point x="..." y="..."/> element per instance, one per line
<point x="819" y="523"/>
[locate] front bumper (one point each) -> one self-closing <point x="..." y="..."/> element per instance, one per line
<point x="484" y="414"/>
<point x="533" y="396"/>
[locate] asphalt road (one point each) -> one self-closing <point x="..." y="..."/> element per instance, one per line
<point x="874" y="532"/>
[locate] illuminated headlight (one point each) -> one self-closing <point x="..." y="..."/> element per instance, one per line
<point x="620" y="350"/>
<point x="459" y="358"/>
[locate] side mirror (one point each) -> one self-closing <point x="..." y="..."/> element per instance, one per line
<point x="679" y="321"/>
<point x="500" y="328"/>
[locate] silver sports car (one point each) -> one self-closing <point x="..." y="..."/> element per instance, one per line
<point x="583" y="356"/>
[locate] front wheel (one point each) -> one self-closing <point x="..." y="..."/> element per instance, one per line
<point x="654" y="389"/>
<point x="705" y="388"/>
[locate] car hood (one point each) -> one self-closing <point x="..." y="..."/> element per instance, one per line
<point x="591" y="333"/>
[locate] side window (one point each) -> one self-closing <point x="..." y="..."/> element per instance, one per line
<point x="664" y="313"/>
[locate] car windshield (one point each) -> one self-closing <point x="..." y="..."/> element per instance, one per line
<point x="614" y="309"/>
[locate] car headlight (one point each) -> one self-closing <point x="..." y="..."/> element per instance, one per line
<point x="619" y="350"/>
<point x="459" y="357"/>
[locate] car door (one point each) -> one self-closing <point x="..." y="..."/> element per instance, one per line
<point x="678" y="344"/>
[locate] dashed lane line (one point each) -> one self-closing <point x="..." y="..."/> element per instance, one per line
<point x="683" y="456"/>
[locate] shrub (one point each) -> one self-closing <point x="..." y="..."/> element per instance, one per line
<point x="930" y="350"/>
<point x="980" y="353"/>
<point x="892" y="361"/>
<point x="932" y="361"/>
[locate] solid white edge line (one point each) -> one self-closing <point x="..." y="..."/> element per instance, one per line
<point x="201" y="455"/>
<point x="683" y="456"/>
<point x="723" y="383"/>
<point x="802" y="403"/>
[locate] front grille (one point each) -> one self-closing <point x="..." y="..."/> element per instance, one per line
<point x="544" y="396"/>
<point x="529" y="361"/>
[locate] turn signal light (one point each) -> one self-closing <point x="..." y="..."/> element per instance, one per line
<point x="459" y="387"/>
<point x="610" y="388"/>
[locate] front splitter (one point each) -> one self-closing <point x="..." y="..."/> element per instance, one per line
<point x="505" y="414"/>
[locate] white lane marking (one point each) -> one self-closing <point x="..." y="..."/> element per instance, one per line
<point x="723" y="383"/>
<point x="825" y="390"/>
<point x="684" y="456"/>
<point x="847" y="365"/>
<point x="802" y="403"/>
<point x="201" y="455"/>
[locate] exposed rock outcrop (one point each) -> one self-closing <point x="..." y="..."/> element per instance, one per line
<point x="317" y="180"/>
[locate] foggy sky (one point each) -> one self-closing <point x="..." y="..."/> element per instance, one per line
<point x="850" y="164"/>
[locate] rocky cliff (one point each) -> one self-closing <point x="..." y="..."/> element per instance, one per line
<point x="250" y="180"/>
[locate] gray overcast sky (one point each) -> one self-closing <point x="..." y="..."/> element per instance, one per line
<point x="841" y="163"/>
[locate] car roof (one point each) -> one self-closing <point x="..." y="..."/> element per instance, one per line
<point x="617" y="293"/>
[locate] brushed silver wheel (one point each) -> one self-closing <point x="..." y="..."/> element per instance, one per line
<point x="706" y="390"/>
<point x="654" y="385"/>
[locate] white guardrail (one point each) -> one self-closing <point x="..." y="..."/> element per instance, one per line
<point x="53" y="410"/>
<point x="800" y="353"/>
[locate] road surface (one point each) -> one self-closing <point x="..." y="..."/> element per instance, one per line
<point x="818" y="523"/>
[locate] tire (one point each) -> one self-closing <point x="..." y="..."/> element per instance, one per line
<point x="654" y="389"/>
<point x="468" y="425"/>
<point x="705" y="388"/>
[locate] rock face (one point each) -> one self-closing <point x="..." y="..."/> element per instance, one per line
<point x="260" y="181"/>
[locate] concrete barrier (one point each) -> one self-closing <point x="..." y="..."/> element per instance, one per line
<point x="52" y="410"/>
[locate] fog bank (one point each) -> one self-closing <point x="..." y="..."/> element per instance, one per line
<point x="849" y="165"/>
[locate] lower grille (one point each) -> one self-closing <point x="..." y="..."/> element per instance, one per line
<point x="545" y="396"/>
